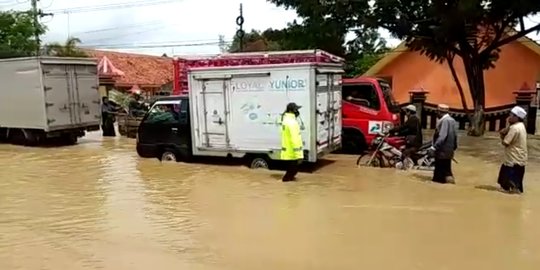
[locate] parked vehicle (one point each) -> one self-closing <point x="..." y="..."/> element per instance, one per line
<point x="368" y="103"/>
<point x="369" y="108"/>
<point x="235" y="111"/>
<point x="48" y="97"/>
<point x="385" y="155"/>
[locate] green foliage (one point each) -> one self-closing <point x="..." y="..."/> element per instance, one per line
<point x="362" y="64"/>
<point x="324" y="25"/>
<point x="120" y="98"/>
<point x="364" y="51"/>
<point x="17" y="33"/>
<point x="255" y="41"/>
<point x="69" y="49"/>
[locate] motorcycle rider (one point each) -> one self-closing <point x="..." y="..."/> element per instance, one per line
<point x="411" y="130"/>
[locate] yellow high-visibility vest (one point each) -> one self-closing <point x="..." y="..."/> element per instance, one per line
<point x="292" y="147"/>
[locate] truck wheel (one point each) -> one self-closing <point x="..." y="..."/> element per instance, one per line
<point x="69" y="138"/>
<point x="168" y="156"/>
<point x="259" y="162"/>
<point x="16" y="136"/>
<point x="354" y="142"/>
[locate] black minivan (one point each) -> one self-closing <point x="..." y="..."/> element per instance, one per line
<point x="165" y="131"/>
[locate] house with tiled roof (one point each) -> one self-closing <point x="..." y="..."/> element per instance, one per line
<point x="518" y="68"/>
<point x="129" y="71"/>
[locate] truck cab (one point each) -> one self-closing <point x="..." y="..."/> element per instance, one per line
<point x="368" y="109"/>
<point x="165" y="130"/>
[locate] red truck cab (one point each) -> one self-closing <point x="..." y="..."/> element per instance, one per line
<point x="368" y="109"/>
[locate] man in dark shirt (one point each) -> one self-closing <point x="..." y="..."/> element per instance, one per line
<point x="411" y="130"/>
<point x="107" y="117"/>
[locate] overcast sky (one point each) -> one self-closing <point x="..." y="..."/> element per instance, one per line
<point x="135" y="28"/>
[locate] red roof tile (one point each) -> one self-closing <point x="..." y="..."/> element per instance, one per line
<point x="139" y="69"/>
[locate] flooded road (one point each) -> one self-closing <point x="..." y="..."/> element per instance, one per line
<point x="98" y="206"/>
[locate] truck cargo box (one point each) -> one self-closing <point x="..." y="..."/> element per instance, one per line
<point x="49" y="94"/>
<point x="236" y="110"/>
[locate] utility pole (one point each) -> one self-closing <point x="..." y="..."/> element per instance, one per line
<point x="240" y="33"/>
<point x="36" y="15"/>
<point x="222" y="45"/>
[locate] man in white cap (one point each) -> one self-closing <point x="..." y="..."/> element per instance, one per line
<point x="136" y="105"/>
<point x="411" y="130"/>
<point x="514" y="140"/>
<point x="444" y="146"/>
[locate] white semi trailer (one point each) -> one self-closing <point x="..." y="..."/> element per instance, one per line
<point x="48" y="97"/>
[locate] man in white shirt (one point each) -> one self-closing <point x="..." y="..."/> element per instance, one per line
<point x="514" y="140"/>
<point x="444" y="146"/>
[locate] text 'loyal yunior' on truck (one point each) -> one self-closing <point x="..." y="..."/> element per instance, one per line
<point x="44" y="98"/>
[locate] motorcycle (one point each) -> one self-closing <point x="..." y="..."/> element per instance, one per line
<point x="385" y="155"/>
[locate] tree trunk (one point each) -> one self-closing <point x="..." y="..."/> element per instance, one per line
<point x="450" y="61"/>
<point x="475" y="78"/>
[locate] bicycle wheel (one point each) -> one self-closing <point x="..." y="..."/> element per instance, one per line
<point x="367" y="160"/>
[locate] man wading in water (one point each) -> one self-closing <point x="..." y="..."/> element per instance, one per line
<point x="292" y="147"/>
<point x="514" y="140"/>
<point x="444" y="146"/>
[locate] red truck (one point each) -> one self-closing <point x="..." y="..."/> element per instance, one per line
<point x="368" y="105"/>
<point x="368" y="108"/>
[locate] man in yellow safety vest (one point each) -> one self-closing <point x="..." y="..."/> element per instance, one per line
<point x="292" y="148"/>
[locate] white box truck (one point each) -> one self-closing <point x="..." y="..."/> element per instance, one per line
<point x="48" y="97"/>
<point x="235" y="111"/>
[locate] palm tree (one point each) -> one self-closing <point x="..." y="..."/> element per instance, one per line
<point x="69" y="49"/>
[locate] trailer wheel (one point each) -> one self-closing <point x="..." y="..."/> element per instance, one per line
<point x="259" y="162"/>
<point x="168" y="156"/>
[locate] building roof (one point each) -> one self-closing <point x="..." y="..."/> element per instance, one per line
<point x="138" y="69"/>
<point x="402" y="48"/>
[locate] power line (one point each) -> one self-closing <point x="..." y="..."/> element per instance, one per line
<point x="143" y="3"/>
<point x="10" y="4"/>
<point x="115" y="37"/>
<point x="120" y="27"/>
<point x="155" y="43"/>
<point x="150" y="46"/>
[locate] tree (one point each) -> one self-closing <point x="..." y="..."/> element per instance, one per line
<point x="473" y="30"/>
<point x="255" y="41"/>
<point x="325" y="23"/>
<point x="68" y="49"/>
<point x="364" y="51"/>
<point x="17" y="34"/>
<point x="360" y="53"/>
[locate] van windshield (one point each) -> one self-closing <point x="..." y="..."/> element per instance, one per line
<point x="391" y="103"/>
<point x="167" y="113"/>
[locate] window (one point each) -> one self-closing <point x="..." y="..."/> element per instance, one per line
<point x="363" y="95"/>
<point x="391" y="103"/>
<point x="164" y="113"/>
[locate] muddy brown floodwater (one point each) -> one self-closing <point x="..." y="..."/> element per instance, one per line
<point x="96" y="205"/>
